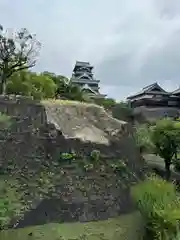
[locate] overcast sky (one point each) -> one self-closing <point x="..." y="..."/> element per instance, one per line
<point x="131" y="43"/>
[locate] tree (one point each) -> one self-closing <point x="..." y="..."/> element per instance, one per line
<point x="143" y="138"/>
<point x="27" y="83"/>
<point x="65" y="88"/>
<point x="42" y="87"/>
<point x="166" y="139"/>
<point x="107" y="103"/>
<point x="60" y="81"/>
<point x="19" y="84"/>
<point x="122" y="111"/>
<point x="17" y="52"/>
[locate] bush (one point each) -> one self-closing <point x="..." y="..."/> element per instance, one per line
<point x="166" y="139"/>
<point x="120" y="166"/>
<point x="5" y="120"/>
<point x="67" y="157"/>
<point x="10" y="204"/>
<point x="143" y="138"/>
<point x="27" y="83"/>
<point x="95" y="155"/>
<point x="122" y="111"/>
<point x="159" y="205"/>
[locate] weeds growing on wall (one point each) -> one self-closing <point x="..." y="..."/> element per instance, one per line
<point x="67" y="157"/>
<point x="95" y="155"/>
<point x="10" y="201"/>
<point x="5" y="121"/>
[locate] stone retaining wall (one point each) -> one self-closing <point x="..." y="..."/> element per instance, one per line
<point x="33" y="144"/>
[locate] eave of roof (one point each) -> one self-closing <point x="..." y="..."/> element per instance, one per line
<point x="147" y="89"/>
<point x="177" y="91"/>
<point x="82" y="64"/>
<point x="149" y="93"/>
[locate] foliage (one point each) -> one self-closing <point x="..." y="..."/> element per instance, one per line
<point x="27" y="83"/>
<point x="176" y="162"/>
<point x="158" y="203"/>
<point x="18" y="51"/>
<point x="143" y="137"/>
<point x="95" y="155"/>
<point x="88" y="167"/>
<point x="5" y="120"/>
<point x="166" y="139"/>
<point x="122" y="111"/>
<point x="65" y="89"/>
<point x="120" y="166"/>
<point x="68" y="157"/>
<point x="60" y="81"/>
<point x="107" y="103"/>
<point x="123" y="227"/>
<point x="9" y="201"/>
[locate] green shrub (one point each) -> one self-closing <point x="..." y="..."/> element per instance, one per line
<point x="88" y="167"/>
<point x="157" y="201"/>
<point x="67" y="157"/>
<point x="10" y="204"/>
<point x="120" y="166"/>
<point x="95" y="155"/>
<point x="166" y="139"/>
<point x="143" y="138"/>
<point x="5" y="120"/>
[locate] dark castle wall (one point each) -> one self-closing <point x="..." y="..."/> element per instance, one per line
<point x="31" y="143"/>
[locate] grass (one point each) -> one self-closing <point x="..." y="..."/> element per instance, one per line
<point x="125" y="227"/>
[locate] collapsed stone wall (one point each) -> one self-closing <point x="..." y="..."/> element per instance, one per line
<point x="32" y="145"/>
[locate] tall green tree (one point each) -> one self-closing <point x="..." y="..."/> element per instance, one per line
<point x="18" y="51"/>
<point x="19" y="84"/>
<point x="65" y="88"/>
<point x="122" y="111"/>
<point x="27" y="83"/>
<point x="166" y="139"/>
<point x="61" y="82"/>
<point x="42" y="87"/>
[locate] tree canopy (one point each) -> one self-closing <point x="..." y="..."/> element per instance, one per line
<point x="166" y="139"/>
<point x="18" y="51"/>
<point x="39" y="86"/>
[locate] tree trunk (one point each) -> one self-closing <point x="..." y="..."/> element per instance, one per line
<point x="3" y="85"/>
<point x="175" y="155"/>
<point x="167" y="168"/>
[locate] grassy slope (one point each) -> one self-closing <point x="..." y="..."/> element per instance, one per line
<point x="121" y="228"/>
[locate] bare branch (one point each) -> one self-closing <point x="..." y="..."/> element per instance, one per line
<point x="22" y="49"/>
<point x="18" y="51"/>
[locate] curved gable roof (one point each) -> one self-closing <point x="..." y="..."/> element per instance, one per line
<point x="148" y="89"/>
<point x="176" y="92"/>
